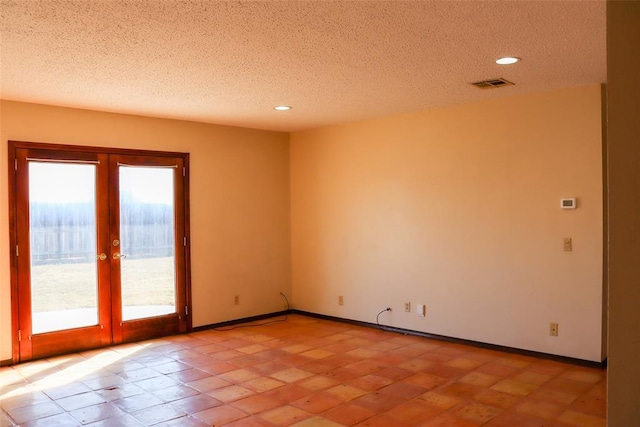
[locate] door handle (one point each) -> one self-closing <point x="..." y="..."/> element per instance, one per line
<point x="102" y="256"/>
<point x="118" y="255"/>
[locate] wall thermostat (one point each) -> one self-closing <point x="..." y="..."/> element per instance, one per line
<point x="568" y="203"/>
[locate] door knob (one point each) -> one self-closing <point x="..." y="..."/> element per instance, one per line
<point x="117" y="256"/>
<point x="102" y="256"/>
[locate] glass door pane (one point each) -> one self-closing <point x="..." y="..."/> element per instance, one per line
<point x="62" y="230"/>
<point x="147" y="241"/>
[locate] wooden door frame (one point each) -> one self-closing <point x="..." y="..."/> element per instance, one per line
<point x="13" y="146"/>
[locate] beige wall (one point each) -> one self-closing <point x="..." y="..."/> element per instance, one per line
<point x="623" y="141"/>
<point x="458" y="209"/>
<point x="239" y="202"/>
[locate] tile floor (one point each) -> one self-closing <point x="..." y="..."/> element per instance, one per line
<point x="301" y="372"/>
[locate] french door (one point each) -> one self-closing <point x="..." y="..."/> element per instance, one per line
<point x="100" y="247"/>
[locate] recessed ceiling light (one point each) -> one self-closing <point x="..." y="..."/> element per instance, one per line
<point x="507" y="60"/>
<point x="282" y="108"/>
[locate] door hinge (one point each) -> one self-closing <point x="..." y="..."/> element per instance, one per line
<point x="186" y="310"/>
<point x="17" y="251"/>
<point x="19" y="335"/>
<point x="184" y="241"/>
<point x="15" y="164"/>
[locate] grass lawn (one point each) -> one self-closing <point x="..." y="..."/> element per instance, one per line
<point x="71" y="286"/>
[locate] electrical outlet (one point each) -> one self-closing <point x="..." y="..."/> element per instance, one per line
<point x="407" y="307"/>
<point x="340" y="300"/>
<point x="567" y="244"/>
<point x="236" y="300"/>
<point x="553" y="329"/>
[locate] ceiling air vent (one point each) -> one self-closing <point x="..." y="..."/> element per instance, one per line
<point x="493" y="83"/>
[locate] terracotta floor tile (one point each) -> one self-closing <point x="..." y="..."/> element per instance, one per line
<point x="365" y="367"/>
<point x="158" y="414"/>
<point x="579" y="419"/>
<point x="479" y="379"/>
<point x="288" y="393"/>
<point x="345" y="392"/>
<point x="477" y="412"/>
<point x="318" y="353"/>
<point x="252" y="349"/>
<point x="317" y="382"/>
<point x="252" y="421"/>
<point x="285" y="415"/>
<point x="514" y="387"/>
<point x="497" y="398"/>
<point x="80" y="401"/>
<point x="514" y="362"/>
<point x="394" y="373"/>
<point x="530" y="377"/>
<point x="186" y="421"/>
<point x="291" y="375"/>
<point x="268" y="368"/>
<point x="207" y="384"/>
<point x="95" y="413"/>
<point x="139" y="401"/>
<point x="297" y="348"/>
<point x="548" y="367"/>
<point x="54" y="420"/>
<point x="187" y="375"/>
<point x="28" y="399"/>
<point x="590" y="405"/>
<point x="66" y="390"/>
<point x="24" y="414"/>
<point x="384" y="420"/>
<point x="403" y="390"/>
<point x="343" y="374"/>
<point x="370" y="382"/>
<point x="439" y="400"/>
<point x="197" y="403"/>
<point x="516" y="419"/>
<point x="227" y="355"/>
<point x="588" y="376"/>
<point x="220" y="415"/>
<point x="262" y="384"/>
<point x="318" y="367"/>
<point x="348" y="414"/>
<point x="540" y="408"/>
<point x="416" y="365"/>
<point x="230" y="393"/>
<point x="445" y="371"/>
<point x="255" y="404"/>
<point x="567" y="386"/>
<point x="464" y="363"/>
<point x="303" y="371"/>
<point x="171" y="367"/>
<point x="414" y="411"/>
<point x="156" y="383"/>
<point x="317" y="402"/>
<point x="497" y="369"/>
<point x="378" y="402"/>
<point x="115" y="380"/>
<point x="218" y="367"/>
<point x="460" y="390"/>
<point x="450" y="420"/>
<point x="239" y="375"/>
<point x="177" y="392"/>
<point x="550" y="395"/>
<point x="363" y="353"/>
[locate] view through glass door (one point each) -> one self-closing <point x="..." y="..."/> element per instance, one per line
<point x="100" y="247"/>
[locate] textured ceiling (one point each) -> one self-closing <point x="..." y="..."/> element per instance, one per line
<point x="333" y="61"/>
